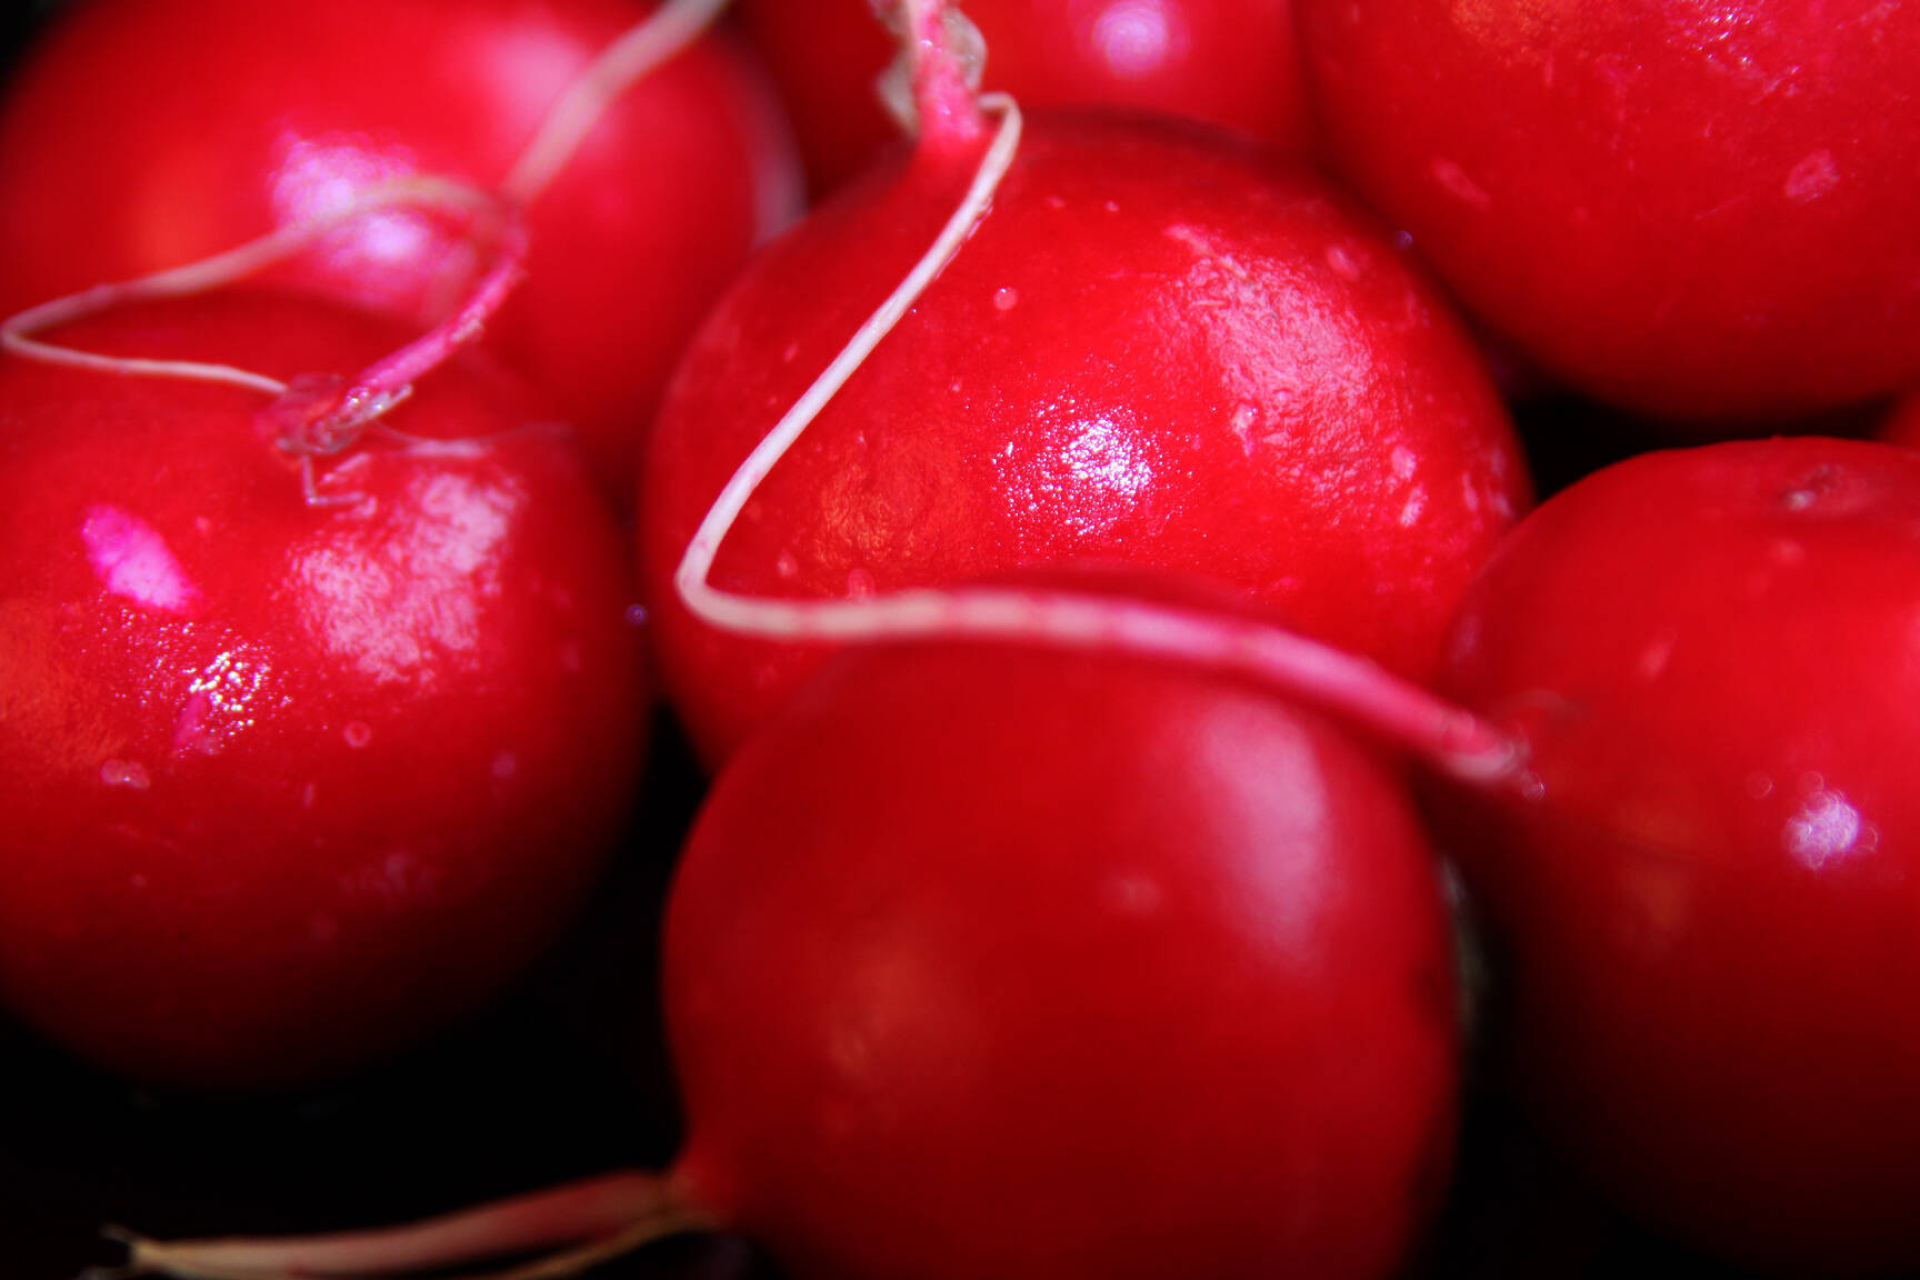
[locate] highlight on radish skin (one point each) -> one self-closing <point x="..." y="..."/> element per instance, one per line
<point x="1214" y="367"/>
<point x="305" y="754"/>
<point x="120" y="162"/>
<point x="1705" y="915"/>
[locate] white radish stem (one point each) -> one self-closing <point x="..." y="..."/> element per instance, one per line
<point x="933" y="87"/>
<point x="583" y="1223"/>
<point x="17" y="332"/>
<point x="330" y="426"/>
<point x="670" y="29"/>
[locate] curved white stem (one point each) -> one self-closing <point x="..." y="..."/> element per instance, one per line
<point x="824" y="617"/>
<point x="1452" y="738"/>
<point x="674" y="26"/>
<point x="16" y="332"/>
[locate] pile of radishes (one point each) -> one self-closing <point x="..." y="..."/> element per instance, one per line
<point x="1155" y="747"/>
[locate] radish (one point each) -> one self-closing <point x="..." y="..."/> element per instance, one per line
<point x="313" y="728"/>
<point x="1701" y="212"/>
<point x="1707" y="909"/>
<point x="1230" y="64"/>
<point x="143" y="134"/>
<point x="1152" y="349"/>
<point x="988" y="960"/>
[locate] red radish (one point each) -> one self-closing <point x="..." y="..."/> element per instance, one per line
<point x="1231" y="64"/>
<point x="1709" y="908"/>
<point x="1699" y="211"/>
<point x="1218" y="892"/>
<point x="296" y="770"/>
<point x="143" y="134"/>
<point x="990" y="961"/>
<point x="1151" y="349"/>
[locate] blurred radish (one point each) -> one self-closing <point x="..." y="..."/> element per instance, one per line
<point x="1707" y="908"/>
<point x="1152" y="349"/>
<point x="313" y="728"/>
<point x="143" y="134"/>
<point x="1230" y="64"/>
<point x="1702" y="212"/>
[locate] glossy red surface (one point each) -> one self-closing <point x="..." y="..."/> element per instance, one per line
<point x="1708" y="912"/>
<point x="289" y="786"/>
<point x="993" y="961"/>
<point x="1231" y="64"/>
<point x="144" y="134"/>
<point x="1214" y="367"/>
<point x="1700" y="209"/>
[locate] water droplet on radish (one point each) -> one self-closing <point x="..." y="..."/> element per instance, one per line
<point x="1813" y="177"/>
<point x="125" y="773"/>
<point x="1005" y="298"/>
<point x="1654" y="658"/>
<point x="1456" y="182"/>
<point x="1343" y="263"/>
<point x="1133" y="895"/>
<point x="358" y="734"/>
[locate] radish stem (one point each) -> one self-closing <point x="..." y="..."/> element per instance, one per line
<point x="584" y="1223"/>
<point x="17" y="331"/>
<point x="645" y="46"/>
<point x="933" y="87"/>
